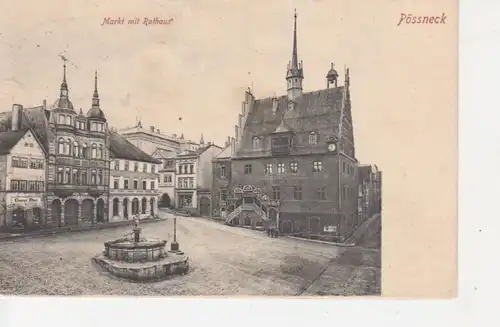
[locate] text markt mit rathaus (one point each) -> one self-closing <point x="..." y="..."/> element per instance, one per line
<point x="136" y="21"/>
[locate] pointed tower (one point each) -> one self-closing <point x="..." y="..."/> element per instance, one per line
<point x="95" y="111"/>
<point x="294" y="75"/>
<point x="202" y="142"/>
<point x="63" y="102"/>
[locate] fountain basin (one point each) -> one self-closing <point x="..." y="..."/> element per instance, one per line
<point x="171" y="265"/>
<point x="130" y="251"/>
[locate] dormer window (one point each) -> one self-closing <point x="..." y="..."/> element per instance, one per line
<point x="62" y="119"/>
<point x="256" y="142"/>
<point x="68" y="120"/>
<point x="313" y="138"/>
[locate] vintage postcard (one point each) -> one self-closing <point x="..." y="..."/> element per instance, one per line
<point x="229" y="148"/>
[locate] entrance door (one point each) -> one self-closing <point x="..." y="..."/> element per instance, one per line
<point x="19" y="218"/>
<point x="71" y="208"/>
<point x="100" y="211"/>
<point x="205" y="206"/>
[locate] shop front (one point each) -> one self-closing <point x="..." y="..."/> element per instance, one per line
<point x="24" y="211"/>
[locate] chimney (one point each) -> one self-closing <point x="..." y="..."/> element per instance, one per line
<point x="44" y="104"/>
<point x="236" y="132"/>
<point x="152" y="128"/>
<point x="17" y="111"/>
<point x="243" y="107"/>
<point x="228" y="140"/>
<point x="158" y="130"/>
<point x="174" y="136"/>
<point x="275" y="105"/>
<point x="233" y="146"/>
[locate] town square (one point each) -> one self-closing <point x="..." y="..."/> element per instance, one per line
<point x="223" y="261"/>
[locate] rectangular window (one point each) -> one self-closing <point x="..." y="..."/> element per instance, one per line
<point x="153" y="168"/>
<point x="276" y="193"/>
<point x="84" y="178"/>
<point x="116" y="183"/>
<point x="23" y="185"/>
<point x="223" y="171"/>
<point x="152" y="185"/>
<point x="321" y="194"/>
<point x="14" y="185"/>
<point x="269" y="169"/>
<point x="136" y="167"/>
<point x="144" y="185"/>
<point x="127" y="165"/>
<point x="125" y="184"/>
<point x="248" y="169"/>
<point x="191" y="182"/>
<point x="281" y="168"/>
<point x="317" y="166"/>
<point x="169" y="179"/>
<point x="297" y="193"/>
<point x="294" y="167"/>
<point x="191" y="169"/>
<point x="136" y="185"/>
<point x="165" y="179"/>
<point x="75" y="178"/>
<point x="67" y="176"/>
<point x="117" y="164"/>
<point x="145" y="168"/>
<point x="223" y="194"/>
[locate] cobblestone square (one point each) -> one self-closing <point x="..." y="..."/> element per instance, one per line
<point x="224" y="260"/>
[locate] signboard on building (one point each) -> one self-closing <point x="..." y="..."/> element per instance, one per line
<point x="330" y="229"/>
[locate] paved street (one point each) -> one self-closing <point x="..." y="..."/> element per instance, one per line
<point x="224" y="261"/>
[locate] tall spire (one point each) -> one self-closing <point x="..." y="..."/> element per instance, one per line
<point x="295" y="63"/>
<point x="202" y="142"/>
<point x="64" y="84"/>
<point x="95" y="97"/>
<point x="294" y="75"/>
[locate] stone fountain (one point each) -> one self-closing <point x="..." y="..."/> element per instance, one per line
<point x="141" y="259"/>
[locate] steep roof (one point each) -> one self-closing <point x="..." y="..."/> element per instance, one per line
<point x="9" y="139"/>
<point x="317" y="111"/>
<point x="34" y="118"/>
<point x="226" y="153"/>
<point x="121" y="148"/>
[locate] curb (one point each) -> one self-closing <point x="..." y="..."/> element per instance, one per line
<point x="52" y="232"/>
<point x="321" y="242"/>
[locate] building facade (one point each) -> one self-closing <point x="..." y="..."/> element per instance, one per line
<point x="134" y="181"/>
<point x="370" y="192"/>
<point x="193" y="189"/>
<point x="22" y="179"/>
<point x="149" y="140"/>
<point x="166" y="178"/>
<point x="293" y="161"/>
<point x="221" y="182"/>
<point x="77" y="149"/>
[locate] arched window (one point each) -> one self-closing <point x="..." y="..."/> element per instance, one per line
<point x="83" y="151"/>
<point x="76" y="177"/>
<point x="93" y="176"/>
<point x="76" y="149"/>
<point x="67" y="145"/>
<point x="101" y="152"/>
<point x="144" y="205"/>
<point x="67" y="176"/>
<point x="313" y="138"/>
<point x="256" y="142"/>
<point x="61" y="119"/>
<point x="94" y="127"/>
<point x="60" y="174"/>
<point x="68" y="120"/>
<point x="94" y="151"/>
<point x="60" y="146"/>
<point x="84" y="177"/>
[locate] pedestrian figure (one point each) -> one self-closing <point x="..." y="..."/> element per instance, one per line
<point x="269" y="232"/>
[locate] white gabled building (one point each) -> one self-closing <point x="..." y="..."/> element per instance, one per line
<point x="22" y="180"/>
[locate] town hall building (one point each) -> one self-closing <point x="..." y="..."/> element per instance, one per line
<point x="292" y="160"/>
